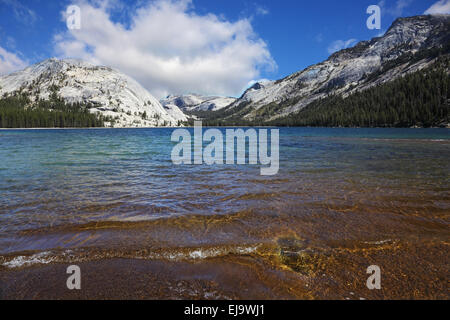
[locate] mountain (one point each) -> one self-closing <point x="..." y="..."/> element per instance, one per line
<point x="194" y="102"/>
<point x="107" y="92"/>
<point x="410" y="45"/>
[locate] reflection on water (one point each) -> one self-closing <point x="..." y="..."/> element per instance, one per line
<point x="344" y="199"/>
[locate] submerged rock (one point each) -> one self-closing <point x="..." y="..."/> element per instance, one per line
<point x="297" y="255"/>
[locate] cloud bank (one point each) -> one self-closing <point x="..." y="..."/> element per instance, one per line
<point x="440" y="7"/>
<point x="169" y="48"/>
<point x="397" y="9"/>
<point x="10" y="62"/>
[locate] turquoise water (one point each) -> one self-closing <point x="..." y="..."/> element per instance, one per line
<point x="57" y="177"/>
<point x="115" y="192"/>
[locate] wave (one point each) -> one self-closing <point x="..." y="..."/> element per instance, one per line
<point x="85" y="255"/>
<point x="25" y="261"/>
<point x="404" y="139"/>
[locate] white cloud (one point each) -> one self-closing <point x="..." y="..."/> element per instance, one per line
<point x="341" y="44"/>
<point x="397" y="10"/>
<point x="10" y="43"/>
<point x="440" y="7"/>
<point x="169" y="48"/>
<point x="10" y="62"/>
<point x="262" y="11"/>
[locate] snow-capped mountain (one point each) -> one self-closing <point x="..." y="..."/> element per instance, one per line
<point x="367" y="64"/>
<point x="110" y="92"/>
<point x="194" y="102"/>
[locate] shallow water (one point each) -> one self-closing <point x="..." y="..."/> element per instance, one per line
<point x="344" y="199"/>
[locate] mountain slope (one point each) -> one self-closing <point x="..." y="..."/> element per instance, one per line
<point x="108" y="92"/>
<point x="194" y="102"/>
<point x="409" y="45"/>
<point x="419" y="99"/>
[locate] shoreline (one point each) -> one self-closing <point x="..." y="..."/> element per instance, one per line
<point x="190" y="127"/>
<point x="338" y="276"/>
<point x="118" y="279"/>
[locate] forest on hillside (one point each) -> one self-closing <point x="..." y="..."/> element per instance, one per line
<point x="417" y="99"/>
<point x="17" y="111"/>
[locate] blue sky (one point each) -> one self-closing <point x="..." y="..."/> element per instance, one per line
<point x="258" y="38"/>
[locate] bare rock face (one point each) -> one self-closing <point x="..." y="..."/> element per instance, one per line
<point x="195" y="102"/>
<point x="108" y="91"/>
<point x="352" y="69"/>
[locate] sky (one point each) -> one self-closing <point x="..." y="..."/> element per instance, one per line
<point x="211" y="47"/>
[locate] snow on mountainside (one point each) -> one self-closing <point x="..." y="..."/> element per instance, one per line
<point x="110" y="92"/>
<point x="347" y="71"/>
<point x="193" y="102"/>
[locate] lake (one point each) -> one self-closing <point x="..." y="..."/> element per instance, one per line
<point x="112" y="202"/>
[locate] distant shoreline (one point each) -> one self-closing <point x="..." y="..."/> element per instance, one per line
<point x="87" y="128"/>
<point x="127" y="128"/>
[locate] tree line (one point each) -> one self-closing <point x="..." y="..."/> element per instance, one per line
<point x="17" y="111"/>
